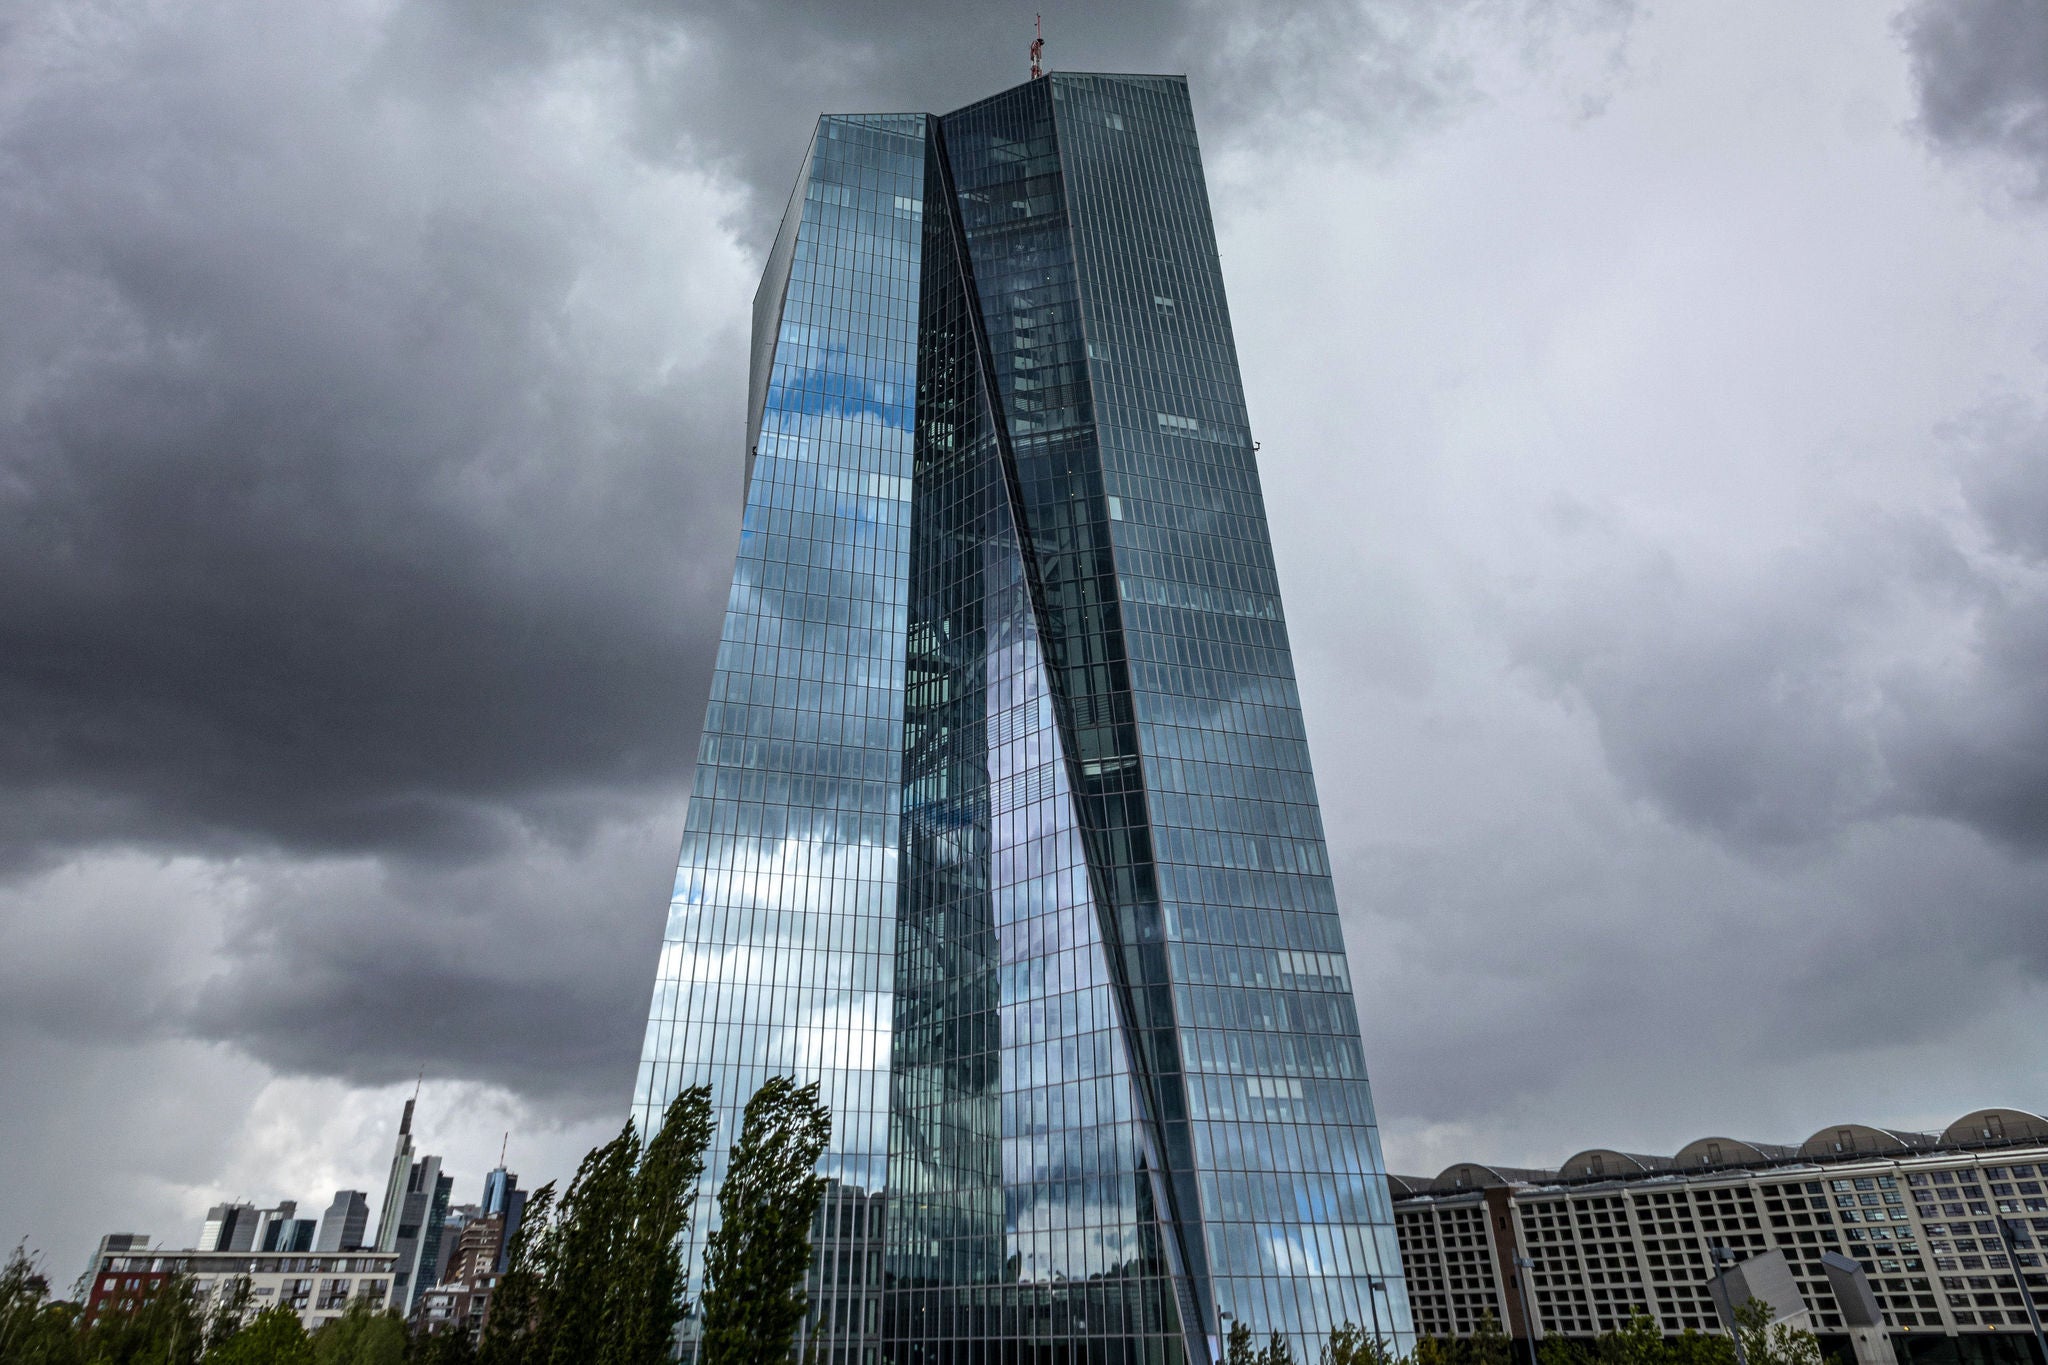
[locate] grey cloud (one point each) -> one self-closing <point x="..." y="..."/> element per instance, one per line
<point x="739" y="84"/>
<point x="331" y="523"/>
<point x="1974" y="748"/>
<point x="1647" y="965"/>
<point x="1982" y="73"/>
<point x="1999" y="452"/>
<point x="1891" y="669"/>
<point x="336" y="515"/>
<point x="531" y="972"/>
<point x="1727" y="707"/>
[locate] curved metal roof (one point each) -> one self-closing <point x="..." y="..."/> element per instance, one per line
<point x="1860" y="1139"/>
<point x="1997" y="1125"/>
<point x="1595" y="1162"/>
<point x="1728" y="1151"/>
<point x="1473" y="1175"/>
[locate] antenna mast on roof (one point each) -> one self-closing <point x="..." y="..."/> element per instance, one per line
<point x="1037" y="45"/>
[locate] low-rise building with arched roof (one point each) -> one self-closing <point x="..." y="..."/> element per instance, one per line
<point x="1580" y="1250"/>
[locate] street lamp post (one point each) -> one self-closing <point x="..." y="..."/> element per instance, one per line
<point x="1725" y="1260"/>
<point x="2009" y="1233"/>
<point x="1373" y="1289"/>
<point x="1522" y="1286"/>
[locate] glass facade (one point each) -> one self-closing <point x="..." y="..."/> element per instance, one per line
<point x="1004" y="825"/>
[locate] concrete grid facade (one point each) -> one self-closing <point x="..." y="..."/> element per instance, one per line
<point x="318" y="1288"/>
<point x="1610" y="1234"/>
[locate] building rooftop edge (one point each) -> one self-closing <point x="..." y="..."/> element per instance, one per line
<point x="1977" y="1131"/>
<point x="1180" y="76"/>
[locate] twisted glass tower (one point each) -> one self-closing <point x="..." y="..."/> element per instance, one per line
<point x="1003" y="826"/>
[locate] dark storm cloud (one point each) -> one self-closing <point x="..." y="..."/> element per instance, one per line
<point x="1982" y="70"/>
<point x="1890" y="668"/>
<point x="739" y="84"/>
<point x="1970" y="743"/>
<point x="323" y="527"/>
<point x="528" y="972"/>
<point x="327" y="521"/>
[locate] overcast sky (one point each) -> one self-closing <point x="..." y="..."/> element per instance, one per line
<point x="1655" y="444"/>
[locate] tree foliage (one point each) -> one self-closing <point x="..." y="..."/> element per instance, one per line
<point x="442" y="1348"/>
<point x="229" y="1313"/>
<point x="166" y="1328"/>
<point x="1765" y="1342"/>
<point x="362" y="1335"/>
<point x="517" y="1330"/>
<point x="595" y="1277"/>
<point x="756" y="1259"/>
<point x="1349" y="1345"/>
<point x="1238" y="1348"/>
<point x="1641" y="1342"/>
<point x="1277" y="1352"/>
<point x="647" y="1300"/>
<point x="274" y="1336"/>
<point x="33" y="1331"/>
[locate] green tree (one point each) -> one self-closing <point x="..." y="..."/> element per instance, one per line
<point x="1639" y="1341"/>
<point x="756" y="1259"/>
<point x="1562" y="1351"/>
<point x="230" y="1310"/>
<point x="1239" y="1349"/>
<point x="1694" y="1347"/>
<point x="273" y="1337"/>
<point x="1765" y="1342"/>
<point x="167" y="1329"/>
<point x="1349" y="1345"/>
<point x="23" y="1290"/>
<point x="1277" y="1351"/>
<point x="441" y="1348"/>
<point x="1488" y="1345"/>
<point x="51" y="1337"/>
<point x="362" y="1335"/>
<point x="646" y="1292"/>
<point x="33" y="1329"/>
<point x="596" y="1277"/>
<point x="516" y="1331"/>
<point x="591" y="1225"/>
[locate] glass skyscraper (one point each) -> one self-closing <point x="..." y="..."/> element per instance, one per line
<point x="1003" y="826"/>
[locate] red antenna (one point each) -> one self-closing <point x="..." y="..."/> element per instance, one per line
<point x="1037" y="45"/>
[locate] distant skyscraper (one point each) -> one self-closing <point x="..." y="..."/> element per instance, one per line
<point x="228" y="1227"/>
<point x="1003" y="826"/>
<point x="422" y="1212"/>
<point x="346" y="1222"/>
<point x="281" y="1229"/>
<point x="395" y="1182"/>
<point x="244" y="1227"/>
<point x="504" y="1200"/>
